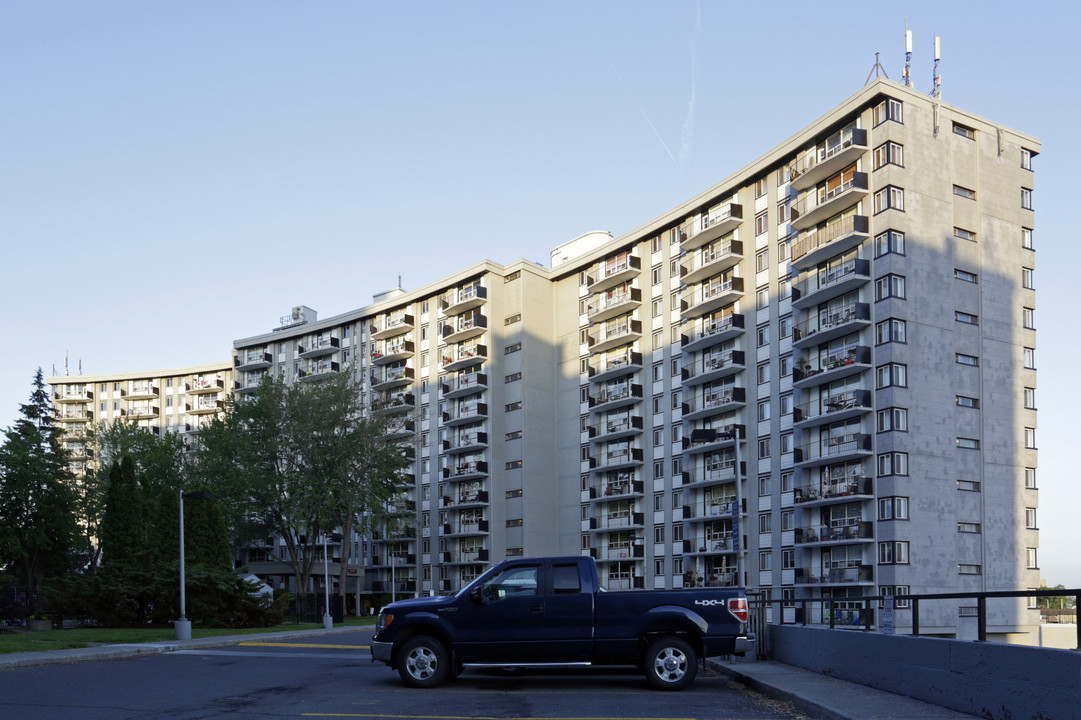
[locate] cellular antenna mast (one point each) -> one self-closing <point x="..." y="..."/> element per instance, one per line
<point x="936" y="89"/>
<point x="875" y="70"/>
<point x="908" y="55"/>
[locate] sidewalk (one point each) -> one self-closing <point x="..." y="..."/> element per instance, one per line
<point x="115" y="652"/>
<point x="825" y="698"/>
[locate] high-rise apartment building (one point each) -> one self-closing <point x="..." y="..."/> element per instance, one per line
<point x="816" y="378"/>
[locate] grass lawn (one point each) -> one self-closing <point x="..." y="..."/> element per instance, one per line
<point x="13" y="641"/>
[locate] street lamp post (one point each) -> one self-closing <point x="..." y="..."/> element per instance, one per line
<point x="328" y="622"/>
<point x="182" y="626"/>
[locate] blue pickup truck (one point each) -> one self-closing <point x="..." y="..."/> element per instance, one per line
<point x="552" y="612"/>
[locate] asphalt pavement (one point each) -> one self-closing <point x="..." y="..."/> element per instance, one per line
<point x="817" y="696"/>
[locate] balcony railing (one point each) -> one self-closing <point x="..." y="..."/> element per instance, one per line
<point x="833" y="447"/>
<point x="611" y="273"/>
<point x="468" y="383"/>
<point x="711" y="259"/>
<point x="713" y="400"/>
<point x="829" y="199"/>
<point x="826" y="283"/>
<point x="712" y="295"/>
<point x="839" y="150"/>
<point x="828" y="324"/>
<point x="713" y="365"/>
<point x="833" y="405"/>
<point x="855" y="573"/>
<point x="611" y="335"/>
<point x="626" y="393"/>
<point x="709" y="227"/>
<point x="458" y="301"/>
<point x="834" y="238"/>
<point x="861" y="530"/>
<point x="616" y="426"/>
<point x="841" y="488"/>
<point x="606" y="306"/>
<point x="624" y="362"/>
<point x="711" y="331"/>
<point x="463" y="356"/>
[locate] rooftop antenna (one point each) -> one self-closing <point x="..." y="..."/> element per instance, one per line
<point x="908" y="55"/>
<point x="66" y="373"/>
<point x="936" y="89"/>
<point x="875" y="70"/>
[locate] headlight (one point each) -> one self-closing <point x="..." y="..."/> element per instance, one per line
<point x="384" y="620"/>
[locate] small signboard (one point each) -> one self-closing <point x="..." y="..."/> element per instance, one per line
<point x="887" y="615"/>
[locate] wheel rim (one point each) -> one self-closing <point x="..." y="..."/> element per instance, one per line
<point x="670" y="664"/>
<point x="421" y="663"/>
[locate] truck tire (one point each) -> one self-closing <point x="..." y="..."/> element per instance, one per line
<point x="423" y="662"/>
<point x="670" y="663"/>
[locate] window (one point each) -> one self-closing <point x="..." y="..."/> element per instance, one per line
<point x="967" y="527"/>
<point x="509" y="407"/>
<point x="761" y="223"/>
<point x="658" y="307"/>
<point x="1028" y="318"/>
<point x="1027" y="279"/>
<point x="1026" y="239"/>
<point x="965" y="275"/>
<point x="762" y="297"/>
<point x="889" y="153"/>
<point x="786" y="404"/>
<point x="889" y="198"/>
<point x="784" y="325"/>
<point x="888" y="109"/>
<point x="893" y="419"/>
<point x="784" y="285"/>
<point x="966" y="318"/>
<point x="657" y="274"/>
<point x="786" y="443"/>
<point x="1026" y="198"/>
<point x="763" y="335"/>
<point x="765" y="560"/>
<point x="512" y="348"/>
<point x="788" y="520"/>
<point x="786" y="482"/>
<point x="510" y="320"/>
<point x="1030" y="478"/>
<point x="968" y="485"/>
<point x="761" y="260"/>
<point x="760" y="187"/>
<point x="892" y="463"/>
<point x="961" y="191"/>
<point x="1030" y="518"/>
<point x="889" y="242"/>
<point x="1030" y="398"/>
<point x="890" y="331"/>
<point x="967" y="402"/>
<point x="513" y="435"/>
<point x="970" y="360"/>
<point x="1030" y="557"/>
<point x="517" y="522"/>
<point x="893" y="508"/>
<point x="513" y="465"/>
<point x="965" y="132"/>
<point x="764" y="450"/>
<point x="782" y="213"/>
<point x="658" y="437"/>
<point x="786" y="365"/>
<point x="968" y="443"/>
<point x="514" y="276"/>
<point x="969" y="570"/>
<point x="898" y="592"/>
<point x="513" y="377"/>
<point x="658" y="404"/>
<point x="788" y="559"/>
<point x="763" y="373"/>
<point x="658" y="372"/>
<point x="1030" y="358"/>
<point x="763" y="410"/>
<point x="765" y="523"/>
<point x="962" y="234"/>
<point x="893" y="552"/>
<point x="1030" y="438"/>
<point x="658" y="339"/>
<point x="891" y="375"/>
<point x="889" y="286"/>
<point x="764" y="485"/>
<point x="1026" y="159"/>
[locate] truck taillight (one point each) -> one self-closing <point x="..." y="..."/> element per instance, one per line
<point x="738" y="608"/>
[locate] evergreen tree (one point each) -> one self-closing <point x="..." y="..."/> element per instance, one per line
<point x="37" y="523"/>
<point x="123" y="538"/>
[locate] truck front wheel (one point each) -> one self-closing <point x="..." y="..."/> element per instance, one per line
<point x="670" y="663"/>
<point x="423" y="662"/>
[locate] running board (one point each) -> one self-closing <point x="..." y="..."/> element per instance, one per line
<point x="540" y="665"/>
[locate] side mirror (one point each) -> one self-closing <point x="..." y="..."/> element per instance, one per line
<point x="475" y="597"/>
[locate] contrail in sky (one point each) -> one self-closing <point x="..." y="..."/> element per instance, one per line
<point x="686" y="135"/>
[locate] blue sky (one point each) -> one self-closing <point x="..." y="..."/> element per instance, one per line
<point x="177" y="175"/>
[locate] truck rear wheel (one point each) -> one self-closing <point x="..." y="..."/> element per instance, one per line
<point x="670" y="663"/>
<point x="423" y="662"/>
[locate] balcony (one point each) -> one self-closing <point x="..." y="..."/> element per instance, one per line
<point x="712" y="472"/>
<point x="703" y="440"/>
<point x="606" y="367"/>
<point x="833" y="534"/>
<point x="711" y="260"/>
<point x="250" y="384"/>
<point x="710" y="296"/>
<point x="142" y="412"/>
<point x="715" y="508"/>
<point x="454" y="386"/>
<point x="610" y="335"/>
<point x="812" y="248"/>
<point x="613" y="429"/>
<point x="615" y="552"/>
<point x="714" y="402"/>
<point x="457" y="302"/>
<point x="392" y="325"/>
<point x="838" y="448"/>
<point x="464" y="328"/>
<point x="833" y="491"/>
<point x="708" y="228"/>
<point x="826" y="201"/>
<point x="831" y="157"/>
<point x="606" y="306"/>
<point x="850" y="575"/>
<point x="629" y="582"/>
<point x="252" y="360"/>
<point x="392" y="378"/>
<point x="465" y="413"/>
<point x="463" y="356"/>
<point x="613" y="398"/>
<point x="206" y="405"/>
<point x="709" y="332"/>
<point x="708" y="367"/>
<point x="466" y="442"/>
<point x="399" y="429"/>
<point x="141" y="390"/>
<point x="462" y="528"/>
<point x="466" y="556"/>
<point x="466" y="470"/>
<point x="621" y="459"/>
<point x="610" y="273"/>
<point x="73" y="395"/>
<point x="833" y="408"/>
<point x="827" y="283"/>
<point x="200" y="385"/>
<point x="319" y="347"/>
<point x="622" y="488"/>
<point x="464" y="499"/>
<point x="617" y="520"/>
<point x="825" y="325"/>
<point x="386" y="403"/>
<point x="819" y="369"/>
<point x="317" y="370"/>
<point x="74" y="414"/>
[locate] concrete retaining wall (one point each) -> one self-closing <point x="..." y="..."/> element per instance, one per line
<point x="1002" y="682"/>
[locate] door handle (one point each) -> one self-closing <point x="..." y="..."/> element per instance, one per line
<point x="536" y="609"/>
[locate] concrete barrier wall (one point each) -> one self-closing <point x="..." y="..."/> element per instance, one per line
<point x="1002" y="682"/>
